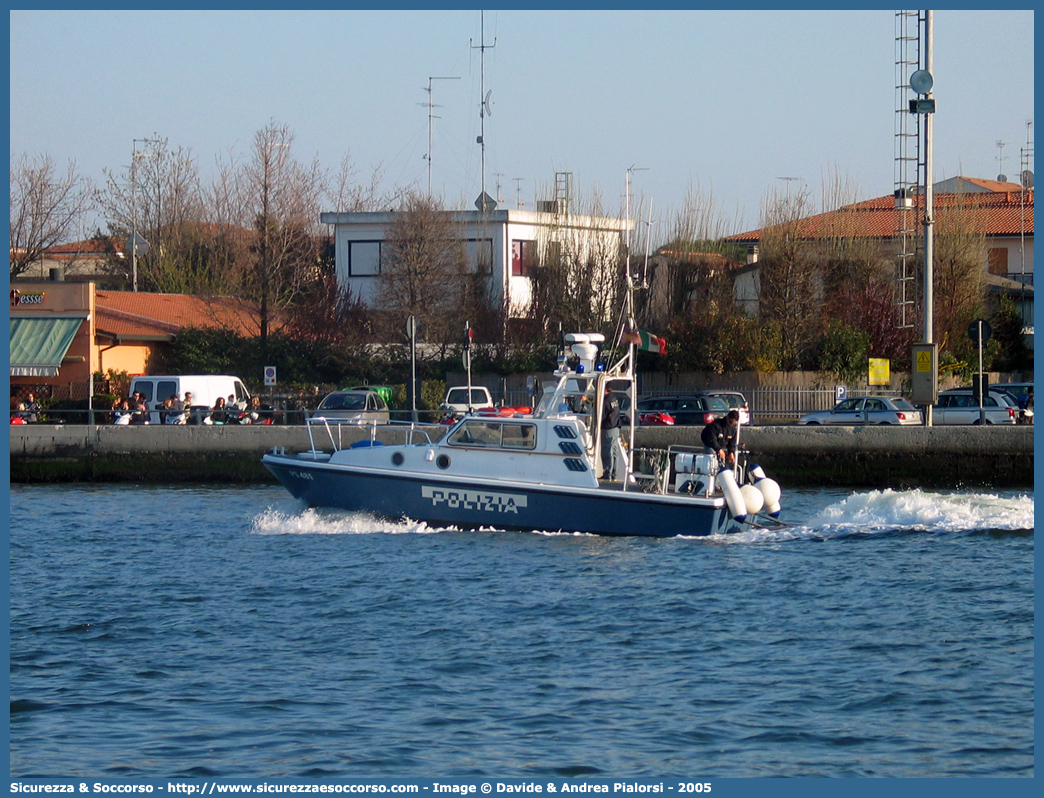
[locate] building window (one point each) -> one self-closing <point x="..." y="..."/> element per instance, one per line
<point x="523" y="256"/>
<point x="998" y="261"/>
<point x="364" y="258"/>
<point x="480" y="255"/>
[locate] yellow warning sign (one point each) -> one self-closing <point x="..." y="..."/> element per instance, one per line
<point x="924" y="361"/>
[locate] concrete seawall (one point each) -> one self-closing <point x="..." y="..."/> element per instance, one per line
<point x="843" y="456"/>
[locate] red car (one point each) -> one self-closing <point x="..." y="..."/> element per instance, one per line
<point x="656" y="419"/>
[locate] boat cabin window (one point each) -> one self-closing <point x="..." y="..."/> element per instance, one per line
<point x="494" y="435"/>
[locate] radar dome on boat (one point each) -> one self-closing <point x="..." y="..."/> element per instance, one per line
<point x="584" y="338"/>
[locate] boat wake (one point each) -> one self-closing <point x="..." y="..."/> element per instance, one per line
<point x="906" y="512"/>
<point x="310" y="521"/>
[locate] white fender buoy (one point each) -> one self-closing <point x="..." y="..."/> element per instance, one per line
<point x="753" y="499"/>
<point x="769" y="489"/>
<point x="733" y="496"/>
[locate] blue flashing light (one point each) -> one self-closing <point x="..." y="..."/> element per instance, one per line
<point x="579" y="368"/>
<point x="599" y="366"/>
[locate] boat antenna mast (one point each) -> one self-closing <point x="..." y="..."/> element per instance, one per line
<point x="484" y="103"/>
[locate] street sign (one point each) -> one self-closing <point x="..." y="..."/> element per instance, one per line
<point x="840" y="393"/>
<point x="879" y="371"/>
<point x="411" y="327"/>
<point x="138" y="245"/>
<point x="270" y="375"/>
<point x="973" y="330"/>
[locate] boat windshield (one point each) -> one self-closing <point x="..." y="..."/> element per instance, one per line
<point x="494" y="435"/>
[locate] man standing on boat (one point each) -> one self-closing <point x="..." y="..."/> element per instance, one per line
<point x="720" y="437"/>
<point x="610" y="433"/>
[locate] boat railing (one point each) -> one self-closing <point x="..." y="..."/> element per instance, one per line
<point x="653" y="468"/>
<point x="414" y="433"/>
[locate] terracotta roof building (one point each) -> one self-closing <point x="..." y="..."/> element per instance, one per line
<point x="1001" y="212"/>
<point x="61" y="332"/>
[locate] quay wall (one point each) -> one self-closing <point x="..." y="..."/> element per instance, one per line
<point x="898" y="457"/>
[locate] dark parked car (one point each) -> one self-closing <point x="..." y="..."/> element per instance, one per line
<point x="698" y="408"/>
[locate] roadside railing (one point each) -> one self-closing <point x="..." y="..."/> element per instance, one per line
<point x="771" y="405"/>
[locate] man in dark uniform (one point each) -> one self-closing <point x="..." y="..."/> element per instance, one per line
<point x="610" y="433"/>
<point x="719" y="437"/>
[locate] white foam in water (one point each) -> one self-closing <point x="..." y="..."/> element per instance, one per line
<point x="921" y="510"/>
<point x="906" y="510"/>
<point x="309" y="521"/>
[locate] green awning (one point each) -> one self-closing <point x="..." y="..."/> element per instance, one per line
<point x="38" y="344"/>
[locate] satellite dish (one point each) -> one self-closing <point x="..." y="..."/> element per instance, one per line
<point x="1027" y="178"/>
<point x="1002" y="178"/>
<point x="921" y="81"/>
<point x="486" y="110"/>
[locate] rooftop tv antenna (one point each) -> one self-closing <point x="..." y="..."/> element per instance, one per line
<point x="484" y="202"/>
<point x="431" y="116"/>
<point x="1003" y="178"/>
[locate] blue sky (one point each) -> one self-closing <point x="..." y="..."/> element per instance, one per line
<point x="720" y="102"/>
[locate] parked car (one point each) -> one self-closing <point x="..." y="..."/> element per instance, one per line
<point x="736" y="401"/>
<point x="959" y="406"/>
<point x="353" y="406"/>
<point x="698" y="408"/>
<point x="456" y="401"/>
<point x="1022" y="392"/>
<point x="882" y="410"/>
<point x="657" y="418"/>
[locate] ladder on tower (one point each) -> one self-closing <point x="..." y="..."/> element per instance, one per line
<point x="908" y="167"/>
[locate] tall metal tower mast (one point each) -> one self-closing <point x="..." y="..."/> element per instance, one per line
<point x="483" y="201"/>
<point x="908" y="165"/>
<point x="431" y="118"/>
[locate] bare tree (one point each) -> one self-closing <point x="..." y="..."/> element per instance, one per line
<point x="960" y="252"/>
<point x="46" y="208"/>
<point x="159" y="197"/>
<point x="282" y="197"/>
<point x="578" y="277"/>
<point x="789" y="293"/>
<point x="348" y="195"/>
<point x="423" y="270"/>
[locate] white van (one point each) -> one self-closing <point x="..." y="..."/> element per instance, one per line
<point x="205" y="389"/>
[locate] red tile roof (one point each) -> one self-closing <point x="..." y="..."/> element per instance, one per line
<point x="130" y="314"/>
<point x="1001" y="213"/>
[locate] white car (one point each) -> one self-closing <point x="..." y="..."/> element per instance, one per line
<point x="456" y="401"/>
<point x="959" y="406"/>
<point x="359" y="406"/>
<point x="882" y="410"/>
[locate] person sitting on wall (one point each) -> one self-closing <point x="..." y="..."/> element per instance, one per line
<point x="139" y="409"/>
<point x="32" y="408"/>
<point x="121" y="413"/>
<point x="259" y="413"/>
<point x="218" y="414"/>
<point x="175" y="410"/>
<point x="719" y="437"/>
<point x="18" y="413"/>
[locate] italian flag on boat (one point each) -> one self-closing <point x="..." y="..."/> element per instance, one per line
<point x="644" y="340"/>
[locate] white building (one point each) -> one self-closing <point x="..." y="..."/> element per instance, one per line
<point x="501" y="243"/>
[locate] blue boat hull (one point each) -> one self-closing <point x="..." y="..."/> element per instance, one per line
<point x="474" y="503"/>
